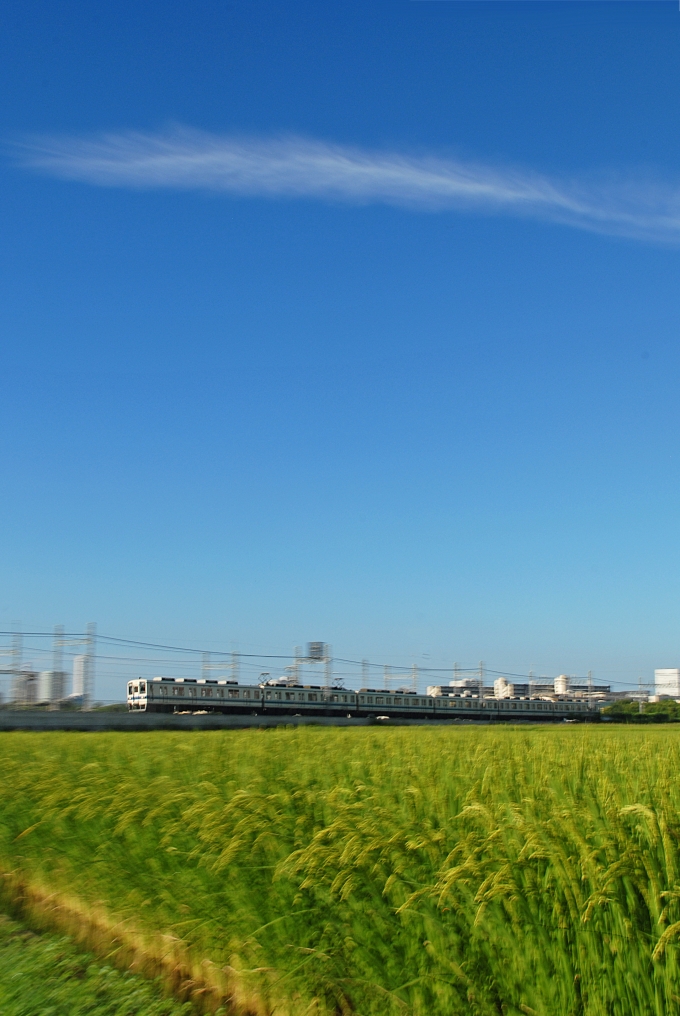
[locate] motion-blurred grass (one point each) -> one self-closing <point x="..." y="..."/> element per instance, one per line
<point x="43" y="975"/>
<point x="380" y="871"/>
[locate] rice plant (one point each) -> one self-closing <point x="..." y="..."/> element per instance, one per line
<point x="425" y="871"/>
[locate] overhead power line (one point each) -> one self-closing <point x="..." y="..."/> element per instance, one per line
<point x="400" y="670"/>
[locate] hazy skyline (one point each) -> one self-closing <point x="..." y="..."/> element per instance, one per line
<point x="356" y="324"/>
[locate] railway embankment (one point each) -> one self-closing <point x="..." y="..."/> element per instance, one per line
<point x="43" y="720"/>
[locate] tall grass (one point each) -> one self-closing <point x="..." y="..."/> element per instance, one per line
<point x="383" y="871"/>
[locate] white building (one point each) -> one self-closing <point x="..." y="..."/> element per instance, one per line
<point x="50" y="686"/>
<point x="25" y="690"/>
<point x="465" y="684"/>
<point x="79" y="674"/>
<point x="667" y="683"/>
<point x="502" y="689"/>
<point x="562" y="684"/>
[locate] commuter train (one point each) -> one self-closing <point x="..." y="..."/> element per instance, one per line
<point x="184" y="695"/>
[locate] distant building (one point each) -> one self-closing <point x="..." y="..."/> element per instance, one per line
<point x="502" y="689"/>
<point x="465" y="684"/>
<point x="467" y="688"/>
<point x="576" y="688"/>
<point x="79" y="670"/>
<point x="667" y="683"/>
<point x="25" y="689"/>
<point x="50" y="686"/>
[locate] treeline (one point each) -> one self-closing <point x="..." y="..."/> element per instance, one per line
<point x="667" y="711"/>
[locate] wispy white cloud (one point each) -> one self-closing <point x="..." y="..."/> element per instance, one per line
<point x="295" y="167"/>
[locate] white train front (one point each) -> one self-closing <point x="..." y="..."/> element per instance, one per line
<point x="184" y="695"/>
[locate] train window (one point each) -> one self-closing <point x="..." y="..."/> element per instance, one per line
<point x="220" y="693"/>
<point x="290" y="695"/>
<point x="344" y="698"/>
<point x="311" y="697"/>
<point x="130" y="688"/>
<point x="246" y="694"/>
<point x="362" y="698"/>
<point x="178" y="691"/>
<point x="267" y="694"/>
<point x="257" y="694"/>
<point x="206" y="692"/>
<point x="379" y="700"/>
<point x="277" y="694"/>
<point x="142" y="687"/>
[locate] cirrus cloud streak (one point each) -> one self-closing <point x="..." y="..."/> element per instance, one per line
<point x="296" y="167"/>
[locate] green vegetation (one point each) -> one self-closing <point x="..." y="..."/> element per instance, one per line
<point x="43" y="975"/>
<point x="666" y="711"/>
<point x="428" y="871"/>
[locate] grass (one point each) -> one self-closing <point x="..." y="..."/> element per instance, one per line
<point x="43" y="975"/>
<point x="450" y="871"/>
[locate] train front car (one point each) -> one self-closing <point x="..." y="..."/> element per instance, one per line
<point x="137" y="695"/>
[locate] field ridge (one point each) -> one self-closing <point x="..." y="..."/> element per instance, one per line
<point x="165" y="957"/>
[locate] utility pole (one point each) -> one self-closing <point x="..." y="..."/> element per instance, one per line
<point x="364" y="673"/>
<point x="386" y="675"/>
<point x="640" y="709"/>
<point x="16" y="655"/>
<point x="57" y="690"/>
<point x="296" y="664"/>
<point x="590" y="687"/>
<point x="90" y="644"/>
<point x="328" y="665"/>
<point x="205" y="665"/>
<point x="455" y="672"/>
<point x="234" y="665"/>
<point x="481" y="679"/>
<point x="414" y="678"/>
<point x="90" y="649"/>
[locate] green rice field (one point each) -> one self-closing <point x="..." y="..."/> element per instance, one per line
<point x="375" y="870"/>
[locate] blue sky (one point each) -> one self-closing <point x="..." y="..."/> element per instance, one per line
<point x="352" y="322"/>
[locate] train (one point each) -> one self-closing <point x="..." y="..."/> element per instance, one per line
<point x="197" y="695"/>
